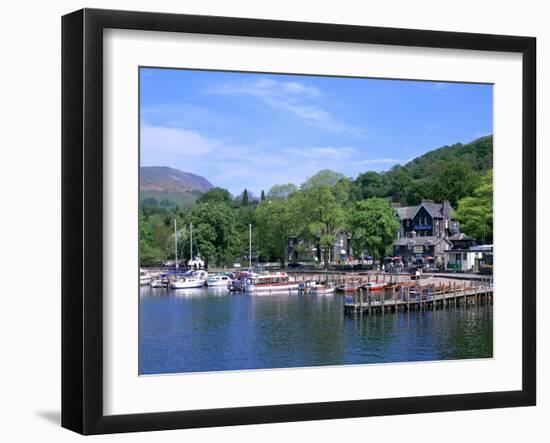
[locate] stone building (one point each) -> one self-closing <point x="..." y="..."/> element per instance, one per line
<point x="424" y="233"/>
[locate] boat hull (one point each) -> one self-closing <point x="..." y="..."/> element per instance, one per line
<point x="187" y="285"/>
<point x="269" y="289"/>
<point x="218" y="283"/>
<point x="322" y="291"/>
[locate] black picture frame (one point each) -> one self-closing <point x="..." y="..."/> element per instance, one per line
<point x="82" y="215"/>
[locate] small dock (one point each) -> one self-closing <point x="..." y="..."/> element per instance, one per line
<point x="419" y="297"/>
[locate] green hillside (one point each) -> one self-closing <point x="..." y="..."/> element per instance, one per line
<point x="447" y="173"/>
<point x="477" y="154"/>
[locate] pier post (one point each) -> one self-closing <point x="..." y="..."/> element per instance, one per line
<point x="369" y="301"/>
<point x="454" y="290"/>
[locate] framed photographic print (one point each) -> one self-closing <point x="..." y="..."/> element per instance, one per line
<point x="269" y="221"/>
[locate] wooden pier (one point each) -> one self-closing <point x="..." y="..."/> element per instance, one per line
<point x="419" y="297"/>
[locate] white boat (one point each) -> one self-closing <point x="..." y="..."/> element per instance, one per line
<point x="194" y="279"/>
<point x="323" y="289"/>
<point x="270" y="283"/>
<point x="144" y="277"/>
<point x="306" y="286"/>
<point x="218" y="280"/>
<point x="160" y="282"/>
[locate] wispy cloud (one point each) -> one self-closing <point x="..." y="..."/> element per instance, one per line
<point x="292" y="98"/>
<point x="254" y="166"/>
<point x="324" y="153"/>
<point x="160" y="145"/>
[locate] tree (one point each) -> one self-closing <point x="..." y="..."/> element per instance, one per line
<point x="281" y="191"/>
<point x="454" y="181"/>
<point x="214" y="232"/>
<point x="274" y="226"/>
<point x="216" y="195"/>
<point x="325" y="177"/>
<point x="262" y="196"/>
<point x="373" y="225"/>
<point x="245" y="197"/>
<point x="153" y="233"/>
<point x="475" y="213"/>
<point x="370" y="184"/>
<point x="319" y="214"/>
<point x="399" y="182"/>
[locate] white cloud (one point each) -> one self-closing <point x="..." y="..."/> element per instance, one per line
<point x="255" y="166"/>
<point x="162" y="144"/>
<point x="292" y="98"/>
<point x="325" y="153"/>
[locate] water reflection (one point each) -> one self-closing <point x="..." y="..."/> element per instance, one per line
<point x="211" y="329"/>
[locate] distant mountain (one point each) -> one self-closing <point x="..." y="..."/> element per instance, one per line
<point x="164" y="179"/>
<point x="478" y="154"/>
<point x="164" y="186"/>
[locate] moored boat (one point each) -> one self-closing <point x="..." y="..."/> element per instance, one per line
<point x="372" y="286"/>
<point x="218" y="280"/>
<point x="269" y="283"/>
<point x="144" y="277"/>
<point x="161" y="281"/>
<point x="323" y="289"/>
<point x="189" y="280"/>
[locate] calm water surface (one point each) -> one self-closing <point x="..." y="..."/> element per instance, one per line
<point x="213" y="330"/>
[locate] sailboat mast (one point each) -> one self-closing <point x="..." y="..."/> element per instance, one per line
<point x="191" y="242"/>
<point x="250" y="245"/>
<point x="176" y="241"/>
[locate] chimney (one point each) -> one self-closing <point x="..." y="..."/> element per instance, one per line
<point x="395" y="205"/>
<point x="445" y="207"/>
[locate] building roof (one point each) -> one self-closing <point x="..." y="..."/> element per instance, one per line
<point x="419" y="241"/>
<point x="405" y="212"/>
<point x="461" y="236"/>
<point x="436" y="210"/>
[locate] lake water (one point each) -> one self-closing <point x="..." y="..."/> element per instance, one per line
<point x="213" y="330"/>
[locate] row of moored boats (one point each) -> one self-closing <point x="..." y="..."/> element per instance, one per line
<point x="244" y="281"/>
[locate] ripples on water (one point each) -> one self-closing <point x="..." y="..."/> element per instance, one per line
<point x="213" y="330"/>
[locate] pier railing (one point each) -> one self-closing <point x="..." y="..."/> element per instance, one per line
<point x="418" y="297"/>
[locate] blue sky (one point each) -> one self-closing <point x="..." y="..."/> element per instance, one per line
<point x="255" y="130"/>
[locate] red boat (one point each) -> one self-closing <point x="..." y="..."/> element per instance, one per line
<point x="371" y="286"/>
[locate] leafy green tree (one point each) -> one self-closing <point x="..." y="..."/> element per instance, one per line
<point x="281" y="191"/>
<point x="245" y="216"/>
<point x="454" y="181"/>
<point x="370" y="184"/>
<point x="262" y="196"/>
<point x="325" y="177"/>
<point x="216" y="195"/>
<point x="214" y="232"/>
<point x="245" y="197"/>
<point x="373" y="225"/>
<point x="400" y="183"/>
<point x="475" y="213"/>
<point x="274" y="226"/>
<point x="319" y="213"/>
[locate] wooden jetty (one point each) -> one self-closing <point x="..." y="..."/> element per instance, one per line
<point x="419" y="297"/>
